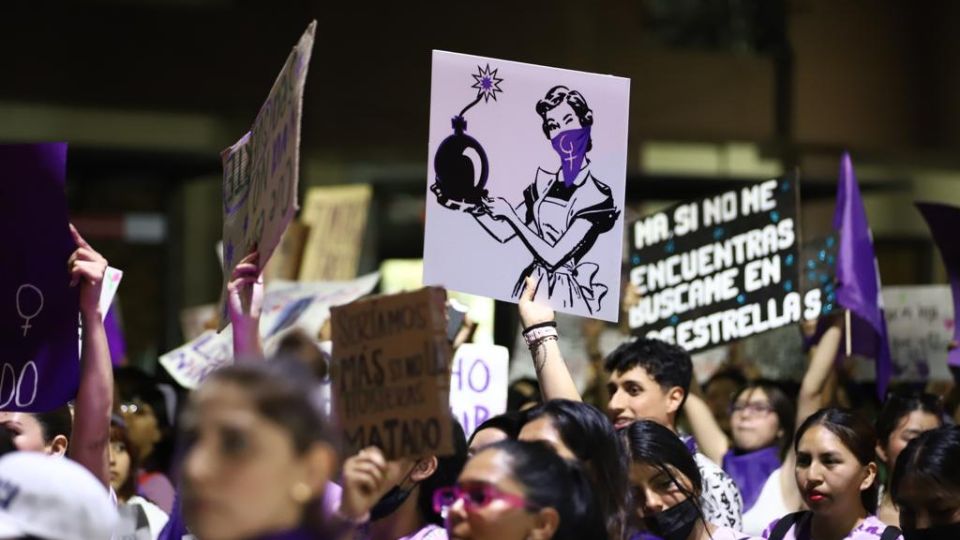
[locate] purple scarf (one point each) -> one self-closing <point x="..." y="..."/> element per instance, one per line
<point x="750" y="471"/>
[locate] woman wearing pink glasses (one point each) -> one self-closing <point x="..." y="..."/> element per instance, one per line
<point x="516" y="490"/>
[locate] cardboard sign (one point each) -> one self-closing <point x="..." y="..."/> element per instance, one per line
<point x="261" y="171"/>
<point x="527" y="180"/>
<point x="401" y="275"/>
<point x="287" y="306"/>
<point x="391" y="374"/>
<point x="478" y="384"/>
<point x="285" y="263"/>
<point x="337" y="217"/>
<point x="719" y="269"/>
<point x="39" y="311"/>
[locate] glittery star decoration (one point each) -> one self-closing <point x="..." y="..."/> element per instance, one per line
<point x="488" y="84"/>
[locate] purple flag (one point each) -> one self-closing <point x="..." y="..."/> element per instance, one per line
<point x="944" y="222"/>
<point x="858" y="279"/>
<point x="39" y="311"/>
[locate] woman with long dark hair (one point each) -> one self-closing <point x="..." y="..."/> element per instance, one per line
<point x="518" y="490"/>
<point x="759" y="456"/>
<point x="926" y="485"/>
<point x="499" y="428"/>
<point x="666" y="484"/>
<point x="582" y="433"/>
<point x="836" y="473"/>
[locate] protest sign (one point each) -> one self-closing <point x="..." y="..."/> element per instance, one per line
<point x="194" y="320"/>
<point x="190" y="364"/>
<point x="400" y="275"/>
<point x="719" y="269"/>
<point x="944" y="222"/>
<point x="530" y="184"/>
<point x="818" y="271"/>
<point x="920" y="321"/>
<point x="285" y="263"/>
<point x="39" y="311"/>
<point x="478" y="384"/>
<point x="287" y="306"/>
<point x="261" y="171"/>
<point x="391" y="374"/>
<point x="111" y="282"/>
<point x="337" y="217"/>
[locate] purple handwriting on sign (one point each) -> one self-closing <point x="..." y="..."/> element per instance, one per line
<point x="39" y="370"/>
<point x="477" y="375"/>
<point x="943" y="221"/>
<point x="478" y="384"/>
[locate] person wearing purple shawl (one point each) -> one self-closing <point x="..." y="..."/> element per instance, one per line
<point x="759" y="457"/>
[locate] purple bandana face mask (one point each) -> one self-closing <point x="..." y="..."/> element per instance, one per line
<point x="571" y="146"/>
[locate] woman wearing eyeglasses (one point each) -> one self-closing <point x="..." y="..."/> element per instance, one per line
<point x="517" y="490"/>
<point x="904" y="417"/>
<point x="760" y="457"/>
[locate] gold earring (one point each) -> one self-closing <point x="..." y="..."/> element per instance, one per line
<point x="301" y="492"/>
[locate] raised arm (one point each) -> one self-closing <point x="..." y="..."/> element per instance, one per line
<point x="711" y="439"/>
<point x="810" y="400"/>
<point x="552" y="372"/>
<point x="89" y="443"/>
<point x="246" y="289"/>
<point x="813" y="386"/>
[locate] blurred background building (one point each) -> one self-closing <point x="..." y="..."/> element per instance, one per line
<point x="148" y="92"/>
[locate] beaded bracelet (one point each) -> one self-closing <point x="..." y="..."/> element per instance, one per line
<point x="535" y="336"/>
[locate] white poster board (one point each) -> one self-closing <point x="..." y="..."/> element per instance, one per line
<point x="527" y="179"/>
<point x="919" y="326"/>
<point x="287" y="305"/>
<point x="478" y="384"/>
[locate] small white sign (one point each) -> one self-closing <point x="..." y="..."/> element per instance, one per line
<point x="478" y="384"/>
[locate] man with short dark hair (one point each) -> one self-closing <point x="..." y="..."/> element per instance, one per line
<point x="647" y="379"/>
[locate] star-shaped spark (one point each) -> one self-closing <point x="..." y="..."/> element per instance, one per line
<point x="488" y="84"/>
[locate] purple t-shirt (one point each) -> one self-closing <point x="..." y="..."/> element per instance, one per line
<point x="869" y="529"/>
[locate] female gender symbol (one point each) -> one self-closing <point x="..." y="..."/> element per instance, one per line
<point x="26" y="318"/>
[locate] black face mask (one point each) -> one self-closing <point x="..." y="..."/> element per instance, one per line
<point x="674" y="523"/>
<point x="390" y="501"/>
<point x="941" y="532"/>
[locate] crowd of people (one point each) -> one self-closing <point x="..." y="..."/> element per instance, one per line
<point x="253" y="455"/>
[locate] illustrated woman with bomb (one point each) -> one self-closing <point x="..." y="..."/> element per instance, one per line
<point x="562" y="212"/>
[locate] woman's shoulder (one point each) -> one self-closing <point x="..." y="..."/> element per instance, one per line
<point x="726" y="533"/>
<point x="871" y="528"/>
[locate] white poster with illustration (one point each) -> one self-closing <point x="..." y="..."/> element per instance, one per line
<point x="526" y="174"/>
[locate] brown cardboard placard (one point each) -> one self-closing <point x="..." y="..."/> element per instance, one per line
<point x="391" y="374"/>
<point x="261" y="170"/>
<point x="337" y="216"/>
<point x="285" y="263"/>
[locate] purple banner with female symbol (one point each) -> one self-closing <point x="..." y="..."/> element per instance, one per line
<point x="40" y="366"/>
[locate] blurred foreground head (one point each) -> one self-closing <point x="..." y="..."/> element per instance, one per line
<point x="260" y="451"/>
